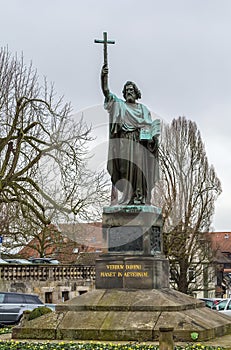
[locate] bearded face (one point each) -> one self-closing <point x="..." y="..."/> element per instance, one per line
<point x="130" y="94"/>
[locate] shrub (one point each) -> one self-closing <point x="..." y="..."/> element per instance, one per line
<point x="26" y="312"/>
<point x="39" y="311"/>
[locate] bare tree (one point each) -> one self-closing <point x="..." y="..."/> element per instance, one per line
<point x="43" y="153"/>
<point x="44" y="243"/>
<point x="187" y="192"/>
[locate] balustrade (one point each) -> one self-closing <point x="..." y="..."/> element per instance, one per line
<point x="47" y="272"/>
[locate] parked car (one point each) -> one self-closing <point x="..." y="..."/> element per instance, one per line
<point x="18" y="261"/>
<point x="12" y="306"/>
<point x="51" y="306"/>
<point x="44" y="261"/>
<point x="224" y="306"/>
<point x="2" y="261"/>
<point x="211" y="302"/>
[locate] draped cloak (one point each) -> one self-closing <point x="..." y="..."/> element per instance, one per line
<point x="132" y="164"/>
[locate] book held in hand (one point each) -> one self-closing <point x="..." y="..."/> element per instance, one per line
<point x="148" y="132"/>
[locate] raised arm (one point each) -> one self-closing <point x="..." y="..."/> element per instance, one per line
<point x="104" y="81"/>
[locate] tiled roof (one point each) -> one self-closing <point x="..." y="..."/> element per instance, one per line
<point x="221" y="241"/>
<point x="87" y="234"/>
<point x="73" y="239"/>
<point x="221" y="258"/>
<point x="87" y="258"/>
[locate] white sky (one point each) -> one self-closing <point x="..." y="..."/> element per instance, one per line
<point x="177" y="51"/>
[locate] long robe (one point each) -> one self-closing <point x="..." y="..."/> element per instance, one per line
<point x="132" y="164"/>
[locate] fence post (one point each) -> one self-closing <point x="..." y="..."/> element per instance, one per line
<point x="166" y="338"/>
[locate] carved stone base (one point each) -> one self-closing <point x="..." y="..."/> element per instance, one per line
<point x="134" y="230"/>
<point x="132" y="272"/>
<point x="127" y="315"/>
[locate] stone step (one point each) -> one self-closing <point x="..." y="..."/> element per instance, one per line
<point x="117" y="315"/>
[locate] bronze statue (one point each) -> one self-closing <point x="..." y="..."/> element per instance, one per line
<point x="133" y="145"/>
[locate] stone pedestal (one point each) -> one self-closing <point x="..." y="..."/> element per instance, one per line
<point x="133" y="236"/>
<point x="132" y="229"/>
<point x="132" y="272"/>
<point x="128" y="315"/>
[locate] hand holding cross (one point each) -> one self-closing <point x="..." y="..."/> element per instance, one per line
<point x="105" y="42"/>
<point x="104" y="72"/>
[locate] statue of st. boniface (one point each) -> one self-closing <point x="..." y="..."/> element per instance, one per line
<point x="133" y="144"/>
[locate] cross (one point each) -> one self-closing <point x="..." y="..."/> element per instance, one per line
<point x="105" y="42"/>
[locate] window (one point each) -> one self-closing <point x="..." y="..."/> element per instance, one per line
<point x="221" y="305"/>
<point x="173" y="275"/>
<point x="229" y="306"/>
<point x="48" y="297"/>
<point x="32" y="299"/>
<point x="2" y="297"/>
<point x="14" y="299"/>
<point x="65" y="295"/>
<point x="82" y="292"/>
<point x="191" y="274"/>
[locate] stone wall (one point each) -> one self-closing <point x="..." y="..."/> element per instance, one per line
<point x="53" y="284"/>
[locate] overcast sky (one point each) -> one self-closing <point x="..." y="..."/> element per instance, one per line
<point x="177" y="51"/>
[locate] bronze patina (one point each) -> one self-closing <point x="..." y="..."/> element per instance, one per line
<point x="133" y="144"/>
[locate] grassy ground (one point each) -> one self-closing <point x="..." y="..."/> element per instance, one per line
<point x="16" y="345"/>
<point x="6" y="343"/>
